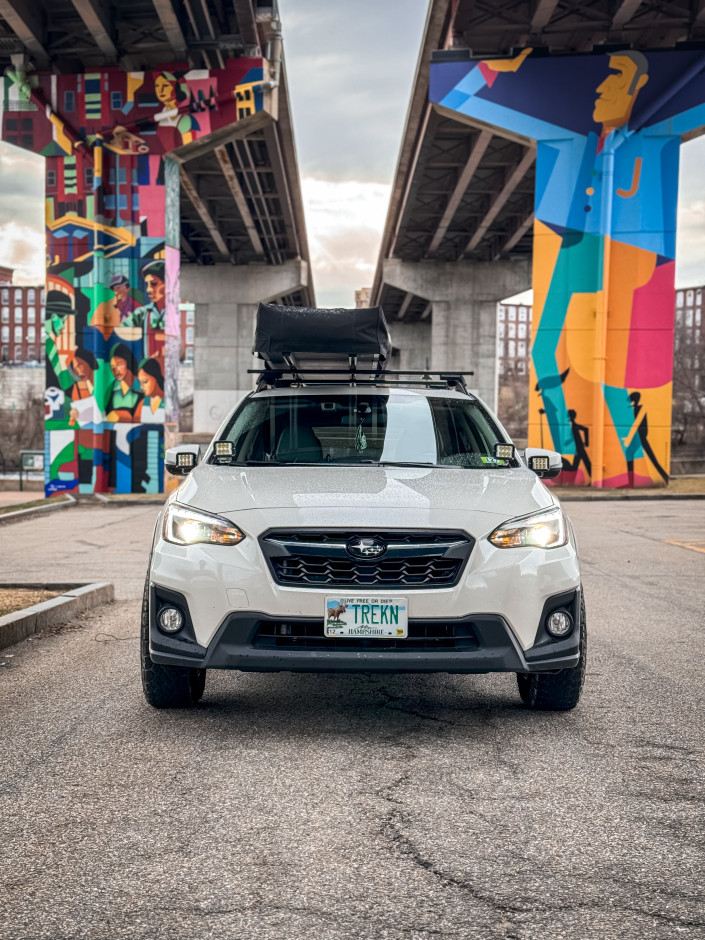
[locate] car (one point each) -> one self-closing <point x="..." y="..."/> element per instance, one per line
<point x="351" y="518"/>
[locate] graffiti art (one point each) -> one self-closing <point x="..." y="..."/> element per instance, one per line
<point x="112" y="288"/>
<point x="608" y="130"/>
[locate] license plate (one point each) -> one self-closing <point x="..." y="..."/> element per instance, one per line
<point x="380" y="617"/>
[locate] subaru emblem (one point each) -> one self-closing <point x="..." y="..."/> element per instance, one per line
<point x="370" y="548"/>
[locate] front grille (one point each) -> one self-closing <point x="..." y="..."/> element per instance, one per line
<point x="424" y="636"/>
<point x="318" y="558"/>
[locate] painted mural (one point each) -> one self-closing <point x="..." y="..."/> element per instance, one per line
<point x="113" y="254"/>
<point x="608" y="129"/>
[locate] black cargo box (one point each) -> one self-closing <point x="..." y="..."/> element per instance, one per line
<point x="310" y="335"/>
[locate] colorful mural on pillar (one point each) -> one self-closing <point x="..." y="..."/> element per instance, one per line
<point x="608" y="129"/>
<point x="113" y="255"/>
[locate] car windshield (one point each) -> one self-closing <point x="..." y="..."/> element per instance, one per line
<point x="364" y="428"/>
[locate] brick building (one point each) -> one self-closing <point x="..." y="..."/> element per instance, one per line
<point x="188" y="331"/>
<point x="21" y="321"/>
<point x="513" y="339"/>
<point x="690" y="335"/>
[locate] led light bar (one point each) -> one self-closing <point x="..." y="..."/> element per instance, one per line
<point x="185" y="460"/>
<point x="538" y="463"/>
<point x="504" y="451"/>
<point x="223" y="451"/>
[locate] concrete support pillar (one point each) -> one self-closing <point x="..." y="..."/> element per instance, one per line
<point x="412" y="341"/>
<point x="226" y="298"/>
<point x="111" y="284"/>
<point x="608" y="136"/>
<point x="463" y="327"/>
<point x="110" y="139"/>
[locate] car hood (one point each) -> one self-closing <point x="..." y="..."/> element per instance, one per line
<point x="365" y="495"/>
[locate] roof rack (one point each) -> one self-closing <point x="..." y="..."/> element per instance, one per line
<point x="355" y="376"/>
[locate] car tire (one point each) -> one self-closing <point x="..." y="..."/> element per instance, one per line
<point x="557" y="691"/>
<point x="166" y="686"/>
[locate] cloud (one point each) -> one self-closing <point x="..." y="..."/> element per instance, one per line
<point x="350" y="76"/>
<point x="22" y="214"/>
<point x="344" y="222"/>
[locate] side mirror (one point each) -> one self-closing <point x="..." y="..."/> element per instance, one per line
<point x="545" y="463"/>
<point x="181" y="460"/>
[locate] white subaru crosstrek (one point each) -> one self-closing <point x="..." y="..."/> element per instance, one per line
<point x="348" y="526"/>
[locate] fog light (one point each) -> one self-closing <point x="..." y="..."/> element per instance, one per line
<point x="559" y="623"/>
<point x="170" y="619"/>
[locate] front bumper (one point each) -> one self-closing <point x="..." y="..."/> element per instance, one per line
<point x="480" y="643"/>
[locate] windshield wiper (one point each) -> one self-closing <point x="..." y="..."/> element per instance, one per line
<point x="410" y="463"/>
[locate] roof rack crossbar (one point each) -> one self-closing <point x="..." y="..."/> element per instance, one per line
<point x="298" y="371"/>
<point x="275" y="377"/>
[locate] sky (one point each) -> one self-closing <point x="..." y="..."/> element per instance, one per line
<point x="350" y="67"/>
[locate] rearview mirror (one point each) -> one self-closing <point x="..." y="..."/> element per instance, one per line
<point x="545" y="463"/>
<point x="181" y="460"/>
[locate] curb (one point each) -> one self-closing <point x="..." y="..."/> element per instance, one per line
<point x="21" y="514"/>
<point x="76" y="598"/>
<point x="107" y="501"/>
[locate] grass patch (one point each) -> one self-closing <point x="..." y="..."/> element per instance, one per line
<point x="14" y="599"/>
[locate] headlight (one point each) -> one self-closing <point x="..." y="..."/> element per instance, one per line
<point x="184" y="526"/>
<point x="545" y="529"/>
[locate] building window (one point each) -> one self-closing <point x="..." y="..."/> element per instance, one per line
<point x="5" y="353"/>
<point x="19" y="315"/>
<point x="42" y="354"/>
<point x="502" y="327"/>
<point x="18" y="354"/>
<point x="190" y="316"/>
<point x="512" y="313"/>
<point x="31" y="334"/>
<point x="51" y="178"/>
<point x="116" y="100"/>
<point x="698" y="315"/>
<point x="18" y="295"/>
<point x="512" y="330"/>
<point x="31" y="294"/>
<point x="69" y="101"/>
<point x="521" y="349"/>
<point x="42" y="333"/>
<point x="189" y="335"/>
<point x="689" y="298"/>
<point x="122" y="201"/>
<point x="31" y="315"/>
<point x="512" y="349"/>
<point x="501" y="312"/>
<point x="688" y="317"/>
<point x="521" y="367"/>
<point x="5" y="314"/>
<point x="522" y="331"/>
<point x="31" y="354"/>
<point x="679" y="299"/>
<point x="522" y="313"/>
<point x="18" y="334"/>
<point x="6" y="334"/>
<point x="88" y="177"/>
<point x="6" y="296"/>
<point x="189" y="354"/>
<point x="43" y="291"/>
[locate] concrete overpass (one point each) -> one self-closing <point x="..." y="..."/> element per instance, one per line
<point x="167" y="132"/>
<point x="460" y="230"/>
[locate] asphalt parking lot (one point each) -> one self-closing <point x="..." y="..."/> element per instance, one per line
<point x="292" y="806"/>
